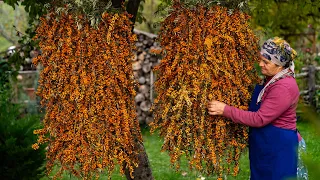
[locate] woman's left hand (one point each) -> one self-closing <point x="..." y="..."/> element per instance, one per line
<point x="216" y="107"/>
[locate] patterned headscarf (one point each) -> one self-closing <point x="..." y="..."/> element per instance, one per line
<point x="279" y="52"/>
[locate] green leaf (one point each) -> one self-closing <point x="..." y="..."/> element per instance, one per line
<point x="12" y="3"/>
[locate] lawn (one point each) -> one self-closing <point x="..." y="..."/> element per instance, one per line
<point x="160" y="161"/>
<point x="312" y="138"/>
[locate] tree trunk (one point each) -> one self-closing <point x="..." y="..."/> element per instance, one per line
<point x="132" y="8"/>
<point x="117" y="3"/>
<point x="143" y="171"/>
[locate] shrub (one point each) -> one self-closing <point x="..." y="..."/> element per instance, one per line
<point x="18" y="159"/>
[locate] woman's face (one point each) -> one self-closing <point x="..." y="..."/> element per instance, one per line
<point x="268" y="68"/>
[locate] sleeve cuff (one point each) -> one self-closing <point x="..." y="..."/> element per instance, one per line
<point x="227" y="111"/>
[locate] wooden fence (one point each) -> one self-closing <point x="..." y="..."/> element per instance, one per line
<point x="309" y="73"/>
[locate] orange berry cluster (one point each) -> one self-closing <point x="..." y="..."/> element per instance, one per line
<point x="87" y="88"/>
<point x="208" y="54"/>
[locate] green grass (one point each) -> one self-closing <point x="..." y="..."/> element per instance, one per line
<point x="160" y="163"/>
<point x="312" y="138"/>
<point x="312" y="158"/>
<point x="161" y="169"/>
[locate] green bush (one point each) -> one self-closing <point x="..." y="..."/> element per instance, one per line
<point x="4" y="75"/>
<point x="17" y="159"/>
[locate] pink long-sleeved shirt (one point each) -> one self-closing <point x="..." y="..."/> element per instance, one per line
<point x="278" y="107"/>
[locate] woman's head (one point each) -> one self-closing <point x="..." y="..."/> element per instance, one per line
<point x="276" y="54"/>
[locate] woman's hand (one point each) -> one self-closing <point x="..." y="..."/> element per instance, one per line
<point x="216" y="107"/>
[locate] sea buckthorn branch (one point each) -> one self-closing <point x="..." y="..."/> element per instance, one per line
<point x="87" y="88"/>
<point x="208" y="54"/>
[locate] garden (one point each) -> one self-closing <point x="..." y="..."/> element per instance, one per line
<point x="119" y="89"/>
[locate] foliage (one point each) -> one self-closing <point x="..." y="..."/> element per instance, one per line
<point x="165" y="5"/>
<point x="284" y="18"/>
<point x="140" y="18"/>
<point x="13" y="26"/>
<point x="207" y="54"/>
<point x="87" y="88"/>
<point x="35" y="8"/>
<point x="89" y="9"/>
<point x="25" y="46"/>
<point x="7" y="73"/>
<point x="18" y="159"/>
<point x="4" y="75"/>
<point x="10" y="20"/>
<point x="148" y="21"/>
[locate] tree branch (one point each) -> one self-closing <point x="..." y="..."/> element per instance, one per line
<point x="132" y="8"/>
<point x="117" y="3"/>
<point x="5" y="35"/>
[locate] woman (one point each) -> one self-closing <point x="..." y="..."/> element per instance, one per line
<point x="273" y="138"/>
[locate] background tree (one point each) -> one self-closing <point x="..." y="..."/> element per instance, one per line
<point x="151" y="21"/>
<point x="11" y="20"/>
<point x="292" y="20"/>
<point x="288" y="19"/>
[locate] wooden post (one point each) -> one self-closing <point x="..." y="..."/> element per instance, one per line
<point x="314" y="42"/>
<point x="151" y="85"/>
<point x="311" y="83"/>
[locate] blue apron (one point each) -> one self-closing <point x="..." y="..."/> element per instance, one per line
<point x="272" y="150"/>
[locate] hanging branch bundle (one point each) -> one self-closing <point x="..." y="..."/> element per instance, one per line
<point x="87" y="88"/>
<point x="208" y="54"/>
